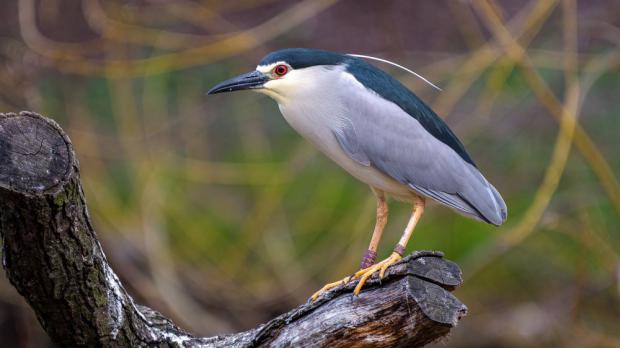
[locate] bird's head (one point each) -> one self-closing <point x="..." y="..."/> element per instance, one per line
<point x="286" y="73"/>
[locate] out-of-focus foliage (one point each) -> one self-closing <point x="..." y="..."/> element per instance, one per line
<point x="213" y="211"/>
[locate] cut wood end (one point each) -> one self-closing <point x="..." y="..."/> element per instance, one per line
<point x="35" y="154"/>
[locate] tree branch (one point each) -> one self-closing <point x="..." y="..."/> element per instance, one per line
<point x="53" y="258"/>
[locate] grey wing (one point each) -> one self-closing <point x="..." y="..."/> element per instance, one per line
<point x="349" y="142"/>
<point x="379" y="133"/>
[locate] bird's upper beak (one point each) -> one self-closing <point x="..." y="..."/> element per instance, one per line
<point x="253" y="79"/>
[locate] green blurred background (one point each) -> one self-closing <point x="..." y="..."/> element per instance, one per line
<point x="215" y="212"/>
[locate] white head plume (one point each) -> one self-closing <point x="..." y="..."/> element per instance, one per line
<point x="396" y="65"/>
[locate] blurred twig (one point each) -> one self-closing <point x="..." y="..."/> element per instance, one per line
<point x="116" y="30"/>
<point x="161" y="264"/>
<point x="525" y="24"/>
<point x="547" y="98"/>
<point x="568" y="126"/>
<point x="201" y="55"/>
<point x="54" y="50"/>
<point x="467" y="23"/>
<point x="264" y="208"/>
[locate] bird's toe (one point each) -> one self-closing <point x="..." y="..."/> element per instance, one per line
<point x="363" y="275"/>
<point x="394" y="258"/>
<point x="381" y="267"/>
<point x="328" y="287"/>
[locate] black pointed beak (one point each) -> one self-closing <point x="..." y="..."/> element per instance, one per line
<point x="251" y="80"/>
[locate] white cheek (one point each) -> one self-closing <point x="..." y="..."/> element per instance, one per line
<point x="303" y="85"/>
<point x="271" y="92"/>
<point x="293" y="83"/>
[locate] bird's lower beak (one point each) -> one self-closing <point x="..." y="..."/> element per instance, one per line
<point x="251" y="80"/>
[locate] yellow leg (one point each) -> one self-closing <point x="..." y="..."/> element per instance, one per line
<point x="381" y="220"/>
<point x="399" y="249"/>
<point x="371" y="254"/>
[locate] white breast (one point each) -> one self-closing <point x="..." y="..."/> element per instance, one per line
<point x="316" y="115"/>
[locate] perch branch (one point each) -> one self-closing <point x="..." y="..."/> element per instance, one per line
<point x="53" y="258"/>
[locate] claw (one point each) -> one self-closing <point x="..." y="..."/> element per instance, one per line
<point x="368" y="272"/>
<point x="363" y="274"/>
<point x="330" y="286"/>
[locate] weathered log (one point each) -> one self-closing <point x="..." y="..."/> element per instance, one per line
<point x="53" y="258"/>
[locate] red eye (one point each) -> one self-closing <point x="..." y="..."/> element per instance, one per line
<point x="280" y="70"/>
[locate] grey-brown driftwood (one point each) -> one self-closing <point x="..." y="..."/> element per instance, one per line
<point x="52" y="257"/>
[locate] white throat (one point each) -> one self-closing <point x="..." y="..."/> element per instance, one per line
<point x="309" y="101"/>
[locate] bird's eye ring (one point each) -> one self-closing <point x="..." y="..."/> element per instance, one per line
<point x="280" y="70"/>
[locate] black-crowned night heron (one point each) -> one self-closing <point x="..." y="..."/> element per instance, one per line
<point x="378" y="131"/>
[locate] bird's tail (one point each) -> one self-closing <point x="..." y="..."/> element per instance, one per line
<point x="485" y="202"/>
<point x="501" y="213"/>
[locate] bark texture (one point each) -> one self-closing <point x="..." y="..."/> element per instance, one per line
<point x="53" y="258"/>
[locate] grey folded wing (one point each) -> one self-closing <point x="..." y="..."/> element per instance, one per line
<point x="380" y="134"/>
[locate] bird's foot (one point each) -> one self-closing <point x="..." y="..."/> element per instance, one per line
<point x="366" y="273"/>
<point x="330" y="286"/>
<point x="362" y="274"/>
